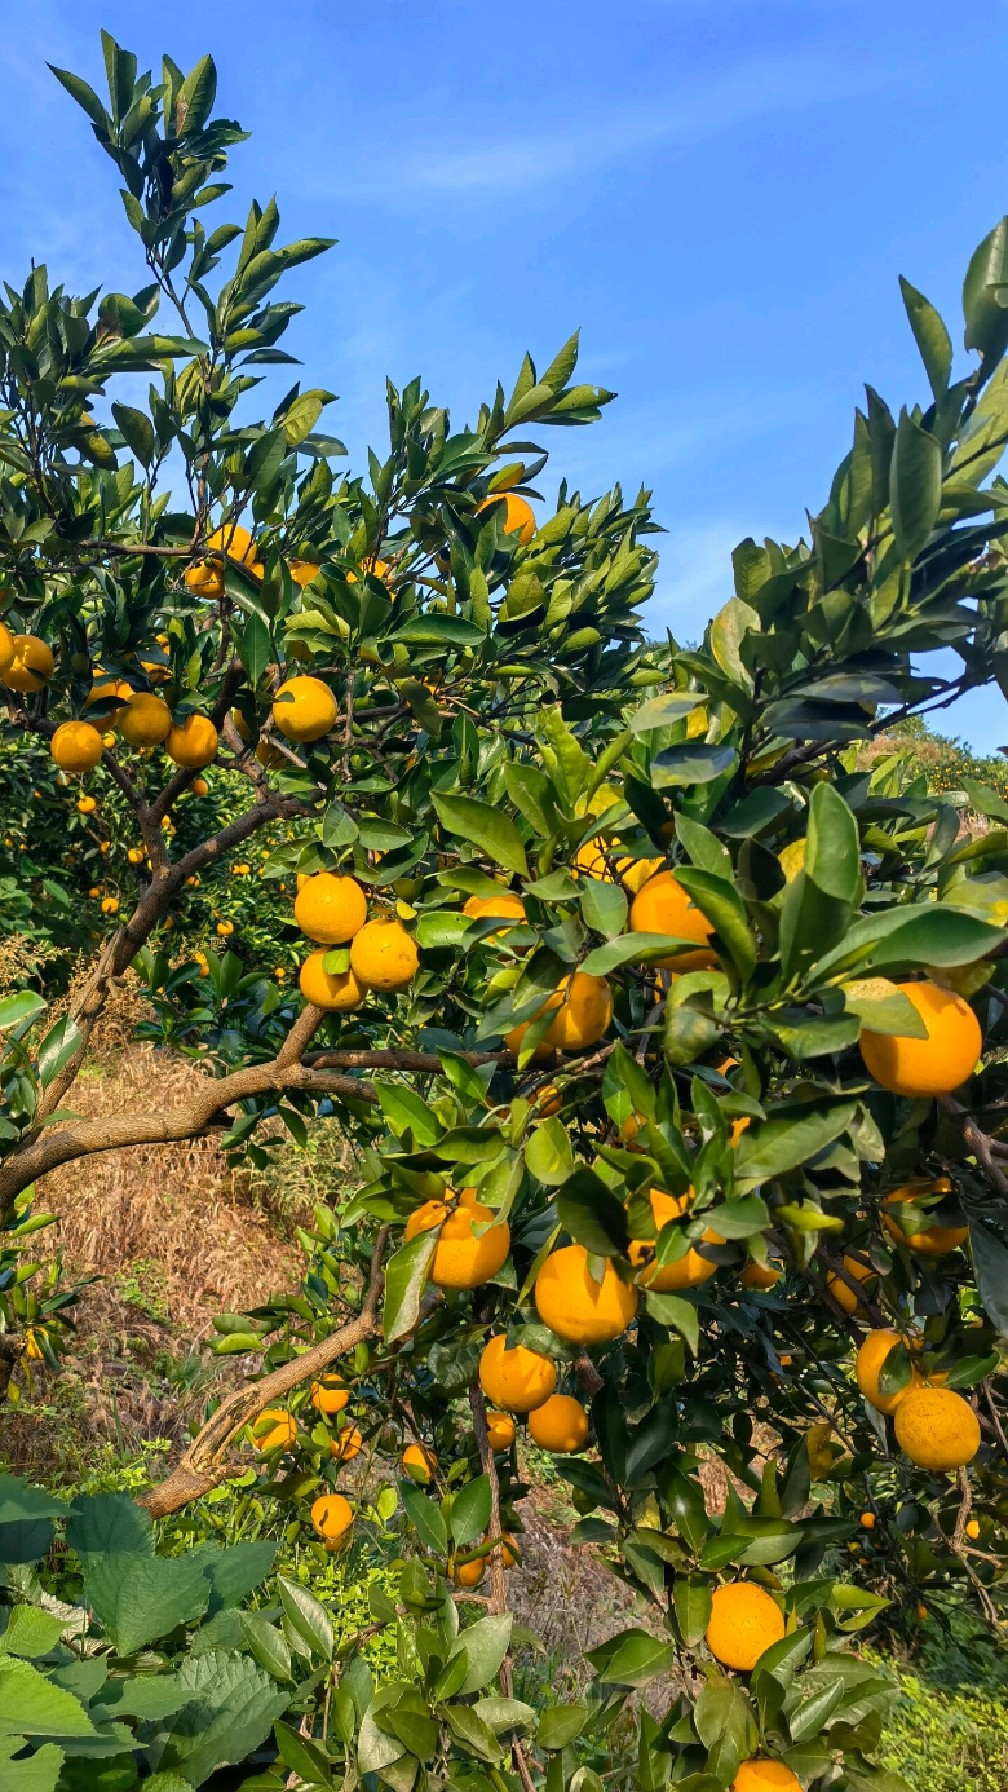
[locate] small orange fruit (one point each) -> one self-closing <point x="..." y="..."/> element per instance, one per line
<point x="867" y="1521"/>
<point x="329" y="1395"/>
<point x="332" y="1516"/>
<point x="842" y="1294"/>
<point x="763" y="1775"/>
<point x="932" y="1066"/>
<point x="584" y="1009"/>
<point x="559" y="1425"/>
<point x="744" y="1623"/>
<point x="145" y="720"/>
<point x="330" y="909"/>
<point x="419" y="1463"/>
<point x="192" y="743"/>
<point x="575" y="1306"/>
<point x="86" y="805"/>
<point x="929" y="1241"/>
<point x="463" y="1258"/>
<point x="468" y="1574"/>
<point x="868" y="1365"/>
<point x="337" y="991"/>
<point x="973" y="1530"/>
<point x="274" y="1429"/>
<point x="937" y="1429"/>
<point x="516" y="1379"/>
<point x="500" y="1430"/>
<point x="76" y="746"/>
<point x="663" y="906"/>
<point x="687" y="1271"/>
<point x="200" y="787"/>
<point x="110" y="905"/>
<point x="31" y="667"/>
<point x="304" y="709"/>
<point x="347" y="1444"/>
<point x="383" y="956"/>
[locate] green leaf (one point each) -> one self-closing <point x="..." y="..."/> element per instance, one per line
<point x="718" y="899"/>
<point x="30" y="1632"/>
<point x="485" y="827"/>
<point x="405" y="1280"/>
<point x="85" y="97"/>
<point x="548" y="1153"/>
<point x="267" y="1644"/>
<point x="983" y="295"/>
<point x="483" y="1646"/>
<point x="505" y="1714"/>
<point x="811" y="1713"/>
<point x="231" y="1709"/>
<point x="938" y="935"/>
<point x="31" y="1705"/>
<point x="693" y="762"/>
<point x="426" y="1518"/>
<point x="470" y="1511"/>
<point x="137" y="431"/>
<point x="560" y="1724"/>
<point x="634" y="948"/>
<point x="915" y="478"/>
<point x="57" y="1049"/>
<point x="472" y="1732"/>
<point x="604" y="906"/>
<point x="19" y="1500"/>
<point x="24" y="1006"/>
<point x="307" y="1617"/>
<point x="254" y="646"/>
<point x="141" y="1598"/>
<point x="732" y="623"/>
<point x="831" y="855"/>
<point x="931" y="337"/>
<point x="676" y="1314"/>
<point x="235" y="1572"/>
<point x="631" y="1658"/>
<point x="776" y="1145"/>
<point x="592" y="1214"/>
<point x="883" y="1008"/>
<point x="990" y="1265"/>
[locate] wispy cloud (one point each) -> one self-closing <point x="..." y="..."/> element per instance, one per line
<point x="686" y="116"/>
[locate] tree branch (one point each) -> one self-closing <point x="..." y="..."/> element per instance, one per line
<point x="202" y="1466"/>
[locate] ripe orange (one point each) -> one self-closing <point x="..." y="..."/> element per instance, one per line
<point x="932" y="1066"/>
<point x="304" y="708"/>
<point x="192" y="743"/>
<point x="205" y="579"/>
<point x="110" y="905"/>
<point x="973" y="1530"/>
<point x="633" y="873"/>
<point x="109" y="691"/>
<point x="500" y="1430"/>
<point x="347" y="1444"/>
<point x="76" y="746"/>
<point x="584" y="1009"/>
<point x="468" y="1574"/>
<point x="762" y="1275"/>
<point x="419" y="1463"/>
<point x="379" y="569"/>
<point x="763" y="1775"/>
<point x="332" y="1516"/>
<point x="200" y="787"/>
<point x="744" y="1623"/>
<point x="31" y="667"/>
<point x="337" y="991"/>
<point x="6" y="648"/>
<point x="868" y="1366"/>
<point x="463" y="1258"/>
<point x="687" y="1271"/>
<point x="560" y="1425"/>
<point x="145" y="720"/>
<point x="225" y="928"/>
<point x="844" y="1296"/>
<point x="383" y="956"/>
<point x="329" y="1395"/>
<point x="330" y="909"/>
<point x="937" y="1428"/>
<point x="302" y="571"/>
<point x="505" y="907"/>
<point x="278" y="1429"/>
<point x="930" y="1241"/>
<point x="663" y="906"/>
<point x="519" y="1379"/>
<point x="519" y="517"/>
<point x="575" y="1306"/>
<point x="867" y="1521"/>
<point x="86" y="805"/>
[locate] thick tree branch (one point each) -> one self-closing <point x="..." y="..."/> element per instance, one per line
<point x="202" y="1466"/>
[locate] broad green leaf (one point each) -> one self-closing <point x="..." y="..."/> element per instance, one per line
<point x="990" y="1265"/>
<point x="548" y="1153"/>
<point x="718" y="899"/>
<point x="773" y="1146"/>
<point x="142" y="1598"/>
<point x="405" y="1280"/>
<point x="915" y="478"/>
<point x="604" y="907"/>
<point x="470" y="1511"/>
<point x="631" y="1658"/>
<point x="31" y="1705"/>
<point x="426" y="1518"/>
<point x="693" y="762"/>
<point x="493" y="832"/>
<point x="307" y="1618"/>
<point x="831" y="856"/>
<point x="930" y="335"/>
<point x="38" y="1772"/>
<point x="592" y="1214"/>
<point x="559" y="1725"/>
<point x="882" y="1007"/>
<point x="232" y="1707"/>
<point x="30" y="1632"/>
<point x="483" y="1646"/>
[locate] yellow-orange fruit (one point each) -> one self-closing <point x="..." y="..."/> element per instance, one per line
<point x="560" y="1425"/>
<point x="687" y="1271"/>
<point x="337" y="991"/>
<point x="463" y="1257"/>
<point x="519" y="1379"/>
<point x="145" y="720"/>
<point x="330" y="909"/>
<point x="383" y="956"/>
<point x="932" y="1066"/>
<point x="329" y="1395"/>
<point x="192" y="743"/>
<point x="575" y="1306"/>
<point x="868" y="1366"/>
<point x="278" y="1429"/>
<point x="109" y="691"/>
<point x="31" y="666"/>
<point x="505" y="907"/>
<point x="500" y="1430"/>
<point x="744" y="1623"/>
<point x="867" y="1521"/>
<point x="519" y="517"/>
<point x="304" y="708"/>
<point x="419" y="1463"/>
<point x="937" y="1428"/>
<point x="584" y="1009"/>
<point x="663" y="906"/>
<point x="332" y="1516"/>
<point x="76" y="746"/>
<point x="347" y="1444"/>
<point x="200" y="787"/>
<point x="763" y="1775"/>
<point x="302" y="571"/>
<point x="842" y="1294"/>
<point x="6" y="648"/>
<point x="929" y="1241"/>
<point x="468" y="1574"/>
<point x="762" y="1275"/>
<point x="110" y="905"/>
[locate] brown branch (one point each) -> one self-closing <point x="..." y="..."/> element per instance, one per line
<point x="202" y="1466"/>
<point x="978" y="1143"/>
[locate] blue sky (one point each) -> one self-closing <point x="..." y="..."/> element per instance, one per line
<point x="721" y="193"/>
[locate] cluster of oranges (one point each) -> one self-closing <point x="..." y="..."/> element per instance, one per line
<point x="379" y="954"/>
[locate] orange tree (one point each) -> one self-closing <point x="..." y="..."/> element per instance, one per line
<point x="670" y="1023"/>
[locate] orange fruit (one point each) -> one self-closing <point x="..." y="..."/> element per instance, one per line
<point x="332" y="1516"/>
<point x="419" y="1463"/>
<point x="584" y="1009"/>
<point x="932" y="1066"/>
<point x="930" y="1241"/>
<point x="205" y="579"/>
<point x="329" y="1395"/>
<point x="560" y="1425"/>
<point x="86" y="805"/>
<point x="687" y="1271"/>
<point x="763" y="1775"/>
<point x="762" y="1275"/>
<point x="135" y="855"/>
<point x="500" y="1430"/>
<point x="505" y="907"/>
<point x="145" y="720"/>
<point x="519" y="517"/>
<point x="379" y="569"/>
<point x="337" y="991"/>
<point x="663" y="906"/>
<point x="330" y="909"/>
<point x="109" y="691"/>
<point x="76" y="746"/>
<point x="463" y="1258"/>
<point x="633" y="873"/>
<point x="31" y="666"/>
<point x="7" y="649"/>
<point x="278" y="1429"/>
<point x="235" y="542"/>
<point x="468" y="1574"/>
<point x="347" y="1444"/>
<point x="744" y="1623"/>
<point x="937" y="1428"/>
<point x="844" y="1296"/>
<point x="200" y="787"/>
<point x="973" y="1530"/>
<point x="867" y="1521"/>
<point x="192" y="743"/>
<point x="868" y="1366"/>
<point x="304" y="708"/>
<point x="383" y="956"/>
<point x="519" y="1379"/>
<point x="110" y="905"/>
<point x="302" y="571"/>
<point x="575" y="1306"/>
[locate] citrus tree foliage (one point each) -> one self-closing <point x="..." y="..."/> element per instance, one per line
<point x="668" y="1018"/>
